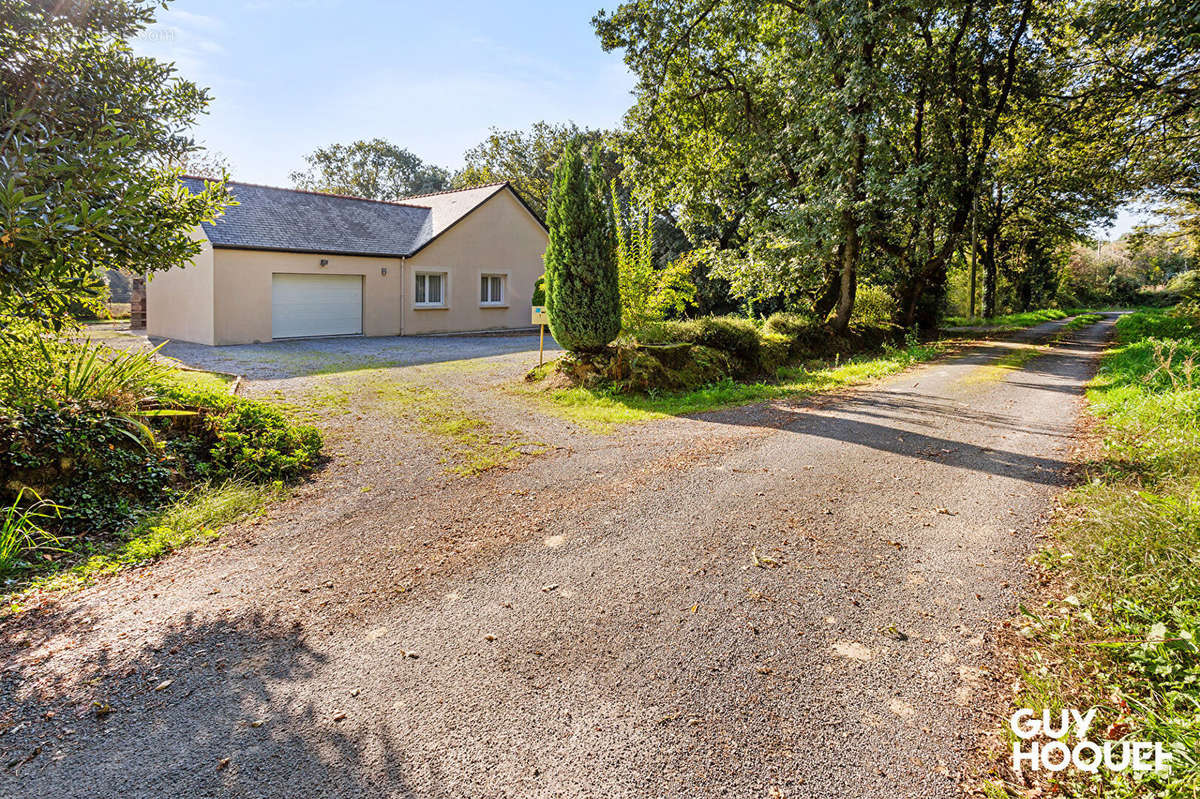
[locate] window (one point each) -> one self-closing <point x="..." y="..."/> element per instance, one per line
<point x="429" y="289"/>
<point x="491" y="289"/>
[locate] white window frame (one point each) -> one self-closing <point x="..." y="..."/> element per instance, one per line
<point x="503" y="301"/>
<point x="423" y="277"/>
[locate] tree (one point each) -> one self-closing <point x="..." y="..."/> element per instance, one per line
<point x="84" y="127"/>
<point x="204" y="163"/>
<point x="526" y="159"/>
<point x="817" y="139"/>
<point x="375" y="169"/>
<point x="648" y="293"/>
<point x="583" y="297"/>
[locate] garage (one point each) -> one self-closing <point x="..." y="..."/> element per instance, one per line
<point x="316" y="305"/>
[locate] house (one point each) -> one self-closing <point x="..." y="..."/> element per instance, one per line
<point x="285" y="263"/>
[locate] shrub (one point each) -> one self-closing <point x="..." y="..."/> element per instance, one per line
<point x="539" y="292"/>
<point x="734" y="335"/>
<point x="774" y="351"/>
<point x="88" y="460"/>
<point x="583" y="297"/>
<point x="874" y="306"/>
<point x="256" y="441"/>
<point x="667" y="332"/>
<point x="792" y="325"/>
<point x="1186" y="285"/>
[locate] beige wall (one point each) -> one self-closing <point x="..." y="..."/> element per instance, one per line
<point x="242" y="283"/>
<point x="224" y="296"/>
<point x="499" y="237"/>
<point x="179" y="302"/>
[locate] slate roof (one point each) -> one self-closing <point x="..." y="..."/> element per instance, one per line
<point x="270" y="218"/>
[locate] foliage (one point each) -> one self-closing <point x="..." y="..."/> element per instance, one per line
<point x="256" y="441"/>
<point x="818" y="140"/>
<point x="874" y="306"/>
<point x="20" y="533"/>
<point x="85" y="458"/>
<point x="583" y="296"/>
<point x="87" y="128"/>
<point x="111" y="436"/>
<point x="376" y="169"/>
<point x="648" y="294"/>
<point x="539" y="292"/>
<point x="526" y="159"/>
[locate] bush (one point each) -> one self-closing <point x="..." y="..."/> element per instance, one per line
<point x="1185" y="285"/>
<point x="256" y="441"/>
<point x="539" y="292"/>
<point x="874" y="306"/>
<point x="734" y="335"/>
<point x="101" y="471"/>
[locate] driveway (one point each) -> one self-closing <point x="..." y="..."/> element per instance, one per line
<point x="789" y="599"/>
<point x="296" y="358"/>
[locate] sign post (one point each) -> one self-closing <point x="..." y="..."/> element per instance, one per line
<point x="540" y="319"/>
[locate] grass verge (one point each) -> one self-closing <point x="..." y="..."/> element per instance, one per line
<point x="1012" y="321"/>
<point x="195" y="517"/>
<point x="1117" y="630"/>
<point x="600" y="410"/>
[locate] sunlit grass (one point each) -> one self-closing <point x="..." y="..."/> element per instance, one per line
<point x="1014" y="320"/>
<point x="601" y="410"/>
<point x="193" y="518"/>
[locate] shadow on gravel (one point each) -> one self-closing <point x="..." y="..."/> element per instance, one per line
<point x="932" y="449"/>
<point x="197" y="712"/>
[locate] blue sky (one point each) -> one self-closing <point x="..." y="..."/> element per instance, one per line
<point x="287" y="77"/>
<point x="290" y="76"/>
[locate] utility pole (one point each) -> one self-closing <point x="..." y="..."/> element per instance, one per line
<point x="974" y="249"/>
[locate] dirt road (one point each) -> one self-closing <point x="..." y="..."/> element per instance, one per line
<point x="780" y="600"/>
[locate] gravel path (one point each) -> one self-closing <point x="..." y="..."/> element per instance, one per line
<point x="790" y="599"/>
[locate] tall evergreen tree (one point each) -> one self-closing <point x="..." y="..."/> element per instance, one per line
<point x="583" y="295"/>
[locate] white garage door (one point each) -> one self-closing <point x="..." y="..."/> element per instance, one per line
<point x="316" y="305"/>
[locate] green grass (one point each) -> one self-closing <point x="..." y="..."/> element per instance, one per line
<point x="194" y="518"/>
<point x="469" y="443"/>
<point x="1009" y="321"/>
<point x="1125" y="563"/>
<point x="601" y="410"/>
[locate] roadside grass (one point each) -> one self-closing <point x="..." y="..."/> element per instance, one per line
<point x="601" y="410"/>
<point x="1120" y="631"/>
<point x="1008" y="321"/>
<point x="193" y="518"/>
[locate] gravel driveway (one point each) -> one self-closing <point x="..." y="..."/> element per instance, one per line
<point x="789" y="599"/>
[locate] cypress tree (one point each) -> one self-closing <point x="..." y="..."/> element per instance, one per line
<point x="583" y="296"/>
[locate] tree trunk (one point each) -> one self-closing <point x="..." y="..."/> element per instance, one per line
<point x="827" y="297"/>
<point x="989" y="274"/>
<point x="849" y="278"/>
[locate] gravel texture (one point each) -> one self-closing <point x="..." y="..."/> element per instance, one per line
<point x="789" y="599"/>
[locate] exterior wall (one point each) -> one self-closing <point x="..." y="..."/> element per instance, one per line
<point x="242" y="290"/>
<point x="499" y="237"/>
<point x="179" y="302"/>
